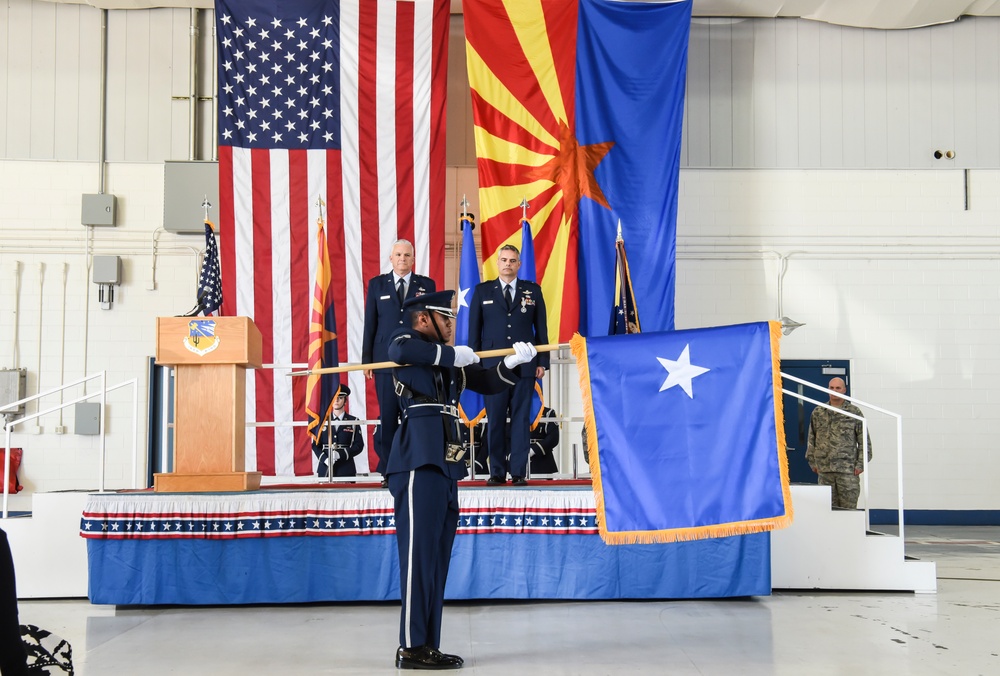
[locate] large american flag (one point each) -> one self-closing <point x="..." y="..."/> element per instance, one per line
<point x="343" y="101"/>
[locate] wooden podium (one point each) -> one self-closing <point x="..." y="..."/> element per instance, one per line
<point x="210" y="356"/>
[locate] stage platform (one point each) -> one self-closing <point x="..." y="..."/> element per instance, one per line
<point x="338" y="544"/>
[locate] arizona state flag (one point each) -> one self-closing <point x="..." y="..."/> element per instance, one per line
<point x="321" y="389"/>
<point x="685" y="432"/>
<point x="578" y="107"/>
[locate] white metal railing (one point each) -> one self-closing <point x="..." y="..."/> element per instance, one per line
<point x="102" y="377"/>
<point x="864" y="427"/>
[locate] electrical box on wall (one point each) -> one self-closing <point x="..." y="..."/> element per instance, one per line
<point x="99" y="210"/>
<point x="87" y="418"/>
<point x="186" y="185"/>
<point x="107" y="270"/>
<point x="13" y="387"/>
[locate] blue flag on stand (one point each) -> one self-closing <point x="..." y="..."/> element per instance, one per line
<point x="685" y="432"/>
<point x="471" y="407"/>
<point x="210" y="280"/>
<point x="624" y="315"/>
<point x="528" y="271"/>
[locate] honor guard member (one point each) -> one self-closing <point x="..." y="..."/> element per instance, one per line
<point x="502" y="312"/>
<point x="345" y="441"/>
<point x="426" y="462"/>
<point x="383" y="316"/>
<point x="544" y="439"/>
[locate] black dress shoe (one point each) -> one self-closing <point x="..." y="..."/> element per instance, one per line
<point x="496" y="481"/>
<point x="425" y="657"/>
<point x="454" y="658"/>
<point x="519" y="481"/>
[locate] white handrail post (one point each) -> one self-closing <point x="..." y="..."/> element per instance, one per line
<point x="6" y="471"/>
<point x="899" y="461"/>
<point x="864" y="470"/>
<point x="135" y="432"/>
<point x="104" y="446"/>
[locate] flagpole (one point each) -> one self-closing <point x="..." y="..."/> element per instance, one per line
<point x="485" y="354"/>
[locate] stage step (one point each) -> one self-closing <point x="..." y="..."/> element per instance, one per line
<point x="50" y="557"/>
<point x="827" y="548"/>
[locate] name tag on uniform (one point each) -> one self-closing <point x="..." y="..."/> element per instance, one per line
<point x="385" y="297"/>
<point x="487" y="302"/>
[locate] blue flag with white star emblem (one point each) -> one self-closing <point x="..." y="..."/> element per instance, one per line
<point x="471" y="406"/>
<point x="528" y="271"/>
<point x="685" y="432"/>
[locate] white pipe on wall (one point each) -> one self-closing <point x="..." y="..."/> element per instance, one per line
<point x="102" y="115"/>
<point x="62" y="339"/>
<point x="38" y="337"/>
<point x="193" y="87"/>
<point x="86" y="298"/>
<point x="15" y="324"/>
<point x="215" y="99"/>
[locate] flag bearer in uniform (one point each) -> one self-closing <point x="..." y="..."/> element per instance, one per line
<point x="426" y="462"/>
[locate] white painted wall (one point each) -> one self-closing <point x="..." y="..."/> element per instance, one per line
<point x="887" y="269"/>
<point x="40" y="225"/>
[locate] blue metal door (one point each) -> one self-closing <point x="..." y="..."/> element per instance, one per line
<point x="797" y="412"/>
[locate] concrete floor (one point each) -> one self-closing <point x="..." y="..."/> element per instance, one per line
<point x="956" y="631"/>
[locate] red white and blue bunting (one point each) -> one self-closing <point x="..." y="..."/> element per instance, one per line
<point x="152" y="516"/>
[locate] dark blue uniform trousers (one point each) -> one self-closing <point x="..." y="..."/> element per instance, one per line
<point x="426" y="506"/>
<point x="388" y="415"/>
<point x="12" y="654"/>
<point x="517" y="442"/>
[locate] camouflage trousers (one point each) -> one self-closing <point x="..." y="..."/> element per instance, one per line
<point x="845" y="488"/>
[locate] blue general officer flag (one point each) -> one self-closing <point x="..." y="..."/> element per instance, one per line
<point x="471" y="406"/>
<point x="528" y="271"/>
<point x="686" y="438"/>
<point x="631" y="64"/>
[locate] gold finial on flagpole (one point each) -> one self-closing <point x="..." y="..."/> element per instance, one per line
<point x="320" y="204"/>
<point x="465" y="216"/>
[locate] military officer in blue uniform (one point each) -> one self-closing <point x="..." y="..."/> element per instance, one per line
<point x="383" y="316"/>
<point x="344" y="443"/>
<point x="502" y="312"/>
<point x="426" y="462"/>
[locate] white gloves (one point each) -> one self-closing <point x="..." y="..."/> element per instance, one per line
<point x="523" y="353"/>
<point x="465" y="355"/>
